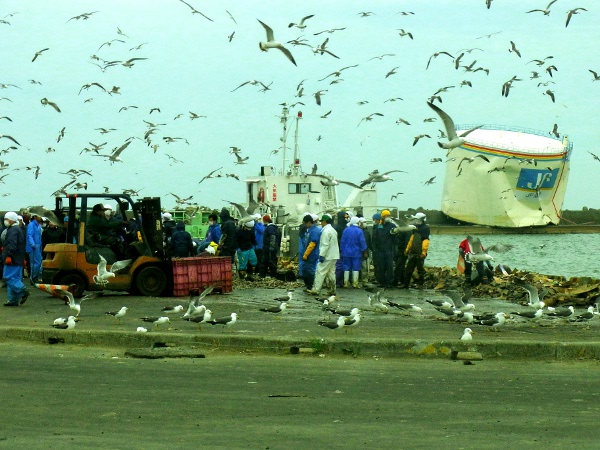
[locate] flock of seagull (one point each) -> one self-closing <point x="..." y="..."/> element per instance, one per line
<point x="196" y="312"/>
<point x="543" y="75"/>
<point x="452" y="305"/>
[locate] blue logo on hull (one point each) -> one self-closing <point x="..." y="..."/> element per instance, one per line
<point x="536" y="179"/>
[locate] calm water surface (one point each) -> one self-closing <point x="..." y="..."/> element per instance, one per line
<point x="569" y="255"/>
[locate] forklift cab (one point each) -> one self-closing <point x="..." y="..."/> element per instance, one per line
<point x="133" y="233"/>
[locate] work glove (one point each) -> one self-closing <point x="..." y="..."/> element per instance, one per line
<point x="304" y="257"/>
<point x="321" y="259"/>
<point x="423" y="255"/>
<point x="8" y="261"/>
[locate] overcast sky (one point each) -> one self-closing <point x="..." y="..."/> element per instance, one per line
<point x="193" y="66"/>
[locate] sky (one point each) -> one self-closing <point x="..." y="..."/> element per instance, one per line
<point x="192" y="65"/>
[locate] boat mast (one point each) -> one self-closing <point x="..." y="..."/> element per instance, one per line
<point x="283" y="119"/>
<point x="295" y="168"/>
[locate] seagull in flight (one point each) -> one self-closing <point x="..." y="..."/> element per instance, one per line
<point x="571" y="13"/>
<point x="272" y="43"/>
<point x="435" y="55"/>
<point x="239" y="159"/>
<point x="9" y="137"/>
<point x="513" y="49"/>
<point x="300" y="25"/>
<point x="39" y="53"/>
<point x="453" y="140"/>
<point x="382" y="56"/>
<point x="429" y="182"/>
<point x="115" y="155"/>
<point x="205" y="177"/>
<point x="369" y="117"/>
<point x="545" y="11"/>
<point x="376" y="177"/>
<point x="45" y="102"/>
<point x="252" y="82"/>
<point x="195" y="11"/>
<point x="420" y="137"/>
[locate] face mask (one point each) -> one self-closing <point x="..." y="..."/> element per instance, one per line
<point x="210" y="223"/>
<point x="387" y="220"/>
<point x="44" y="225"/>
<point x="6" y="223"/>
<point x="107" y="214"/>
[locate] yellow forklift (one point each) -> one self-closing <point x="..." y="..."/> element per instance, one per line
<point x="75" y="262"/>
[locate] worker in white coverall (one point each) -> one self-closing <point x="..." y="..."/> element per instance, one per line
<point x="329" y="253"/>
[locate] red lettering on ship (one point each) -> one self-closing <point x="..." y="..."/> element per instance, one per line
<point x="274" y="192"/>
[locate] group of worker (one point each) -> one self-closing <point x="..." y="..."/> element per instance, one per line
<point x="22" y="240"/>
<point x="337" y="255"/>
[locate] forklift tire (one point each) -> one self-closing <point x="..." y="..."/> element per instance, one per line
<point x="151" y="281"/>
<point x="77" y="280"/>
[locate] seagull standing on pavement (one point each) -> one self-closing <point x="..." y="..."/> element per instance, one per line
<point x="228" y="321"/>
<point x="467" y="335"/>
<point x="118" y="314"/>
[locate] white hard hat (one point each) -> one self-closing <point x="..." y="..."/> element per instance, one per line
<point x="167" y="216"/>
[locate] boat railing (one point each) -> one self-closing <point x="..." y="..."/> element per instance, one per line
<point x="515" y="148"/>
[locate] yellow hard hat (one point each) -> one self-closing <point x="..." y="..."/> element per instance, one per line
<point x="385" y="213"/>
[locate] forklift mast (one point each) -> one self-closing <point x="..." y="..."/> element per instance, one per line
<point x="149" y="212"/>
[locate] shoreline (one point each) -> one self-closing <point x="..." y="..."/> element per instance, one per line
<point x="484" y="229"/>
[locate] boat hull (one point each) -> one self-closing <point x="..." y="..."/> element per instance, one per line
<point x="507" y="178"/>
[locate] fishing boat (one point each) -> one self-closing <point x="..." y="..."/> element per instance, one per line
<point x="288" y="192"/>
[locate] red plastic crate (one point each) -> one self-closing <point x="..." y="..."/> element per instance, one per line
<point x="199" y="273"/>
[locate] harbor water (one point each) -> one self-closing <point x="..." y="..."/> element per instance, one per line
<point x="569" y="255"/>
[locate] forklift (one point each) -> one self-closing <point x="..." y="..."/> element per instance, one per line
<point x="75" y="262"/>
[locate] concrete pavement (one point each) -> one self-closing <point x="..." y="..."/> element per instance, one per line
<point x="391" y="335"/>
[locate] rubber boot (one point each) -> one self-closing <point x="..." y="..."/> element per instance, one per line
<point x="242" y="274"/>
<point x="346" y="278"/>
<point x="250" y="270"/>
<point x="355" y="279"/>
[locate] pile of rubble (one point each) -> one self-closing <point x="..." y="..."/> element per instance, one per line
<point x="555" y="290"/>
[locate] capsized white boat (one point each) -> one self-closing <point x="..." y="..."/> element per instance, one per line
<point x="522" y="185"/>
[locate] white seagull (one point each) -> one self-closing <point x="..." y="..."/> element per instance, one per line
<point x="103" y="275"/>
<point x="498" y="320"/>
<point x="275" y="309"/>
<point x="272" y="43"/>
<point x="172" y="309"/>
<point x="535" y="300"/>
<point x="467" y="335"/>
<point x="300" y="25"/>
<point x="73" y="304"/>
<point x="118" y="314"/>
<point x="69" y="325"/>
<point x="453" y="140"/>
<point x="115" y="155"/>
<point x="200" y="319"/>
<point x="194" y="309"/>
<point x="156" y="320"/>
<point x="225" y="321"/>
<point x="340" y="323"/>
